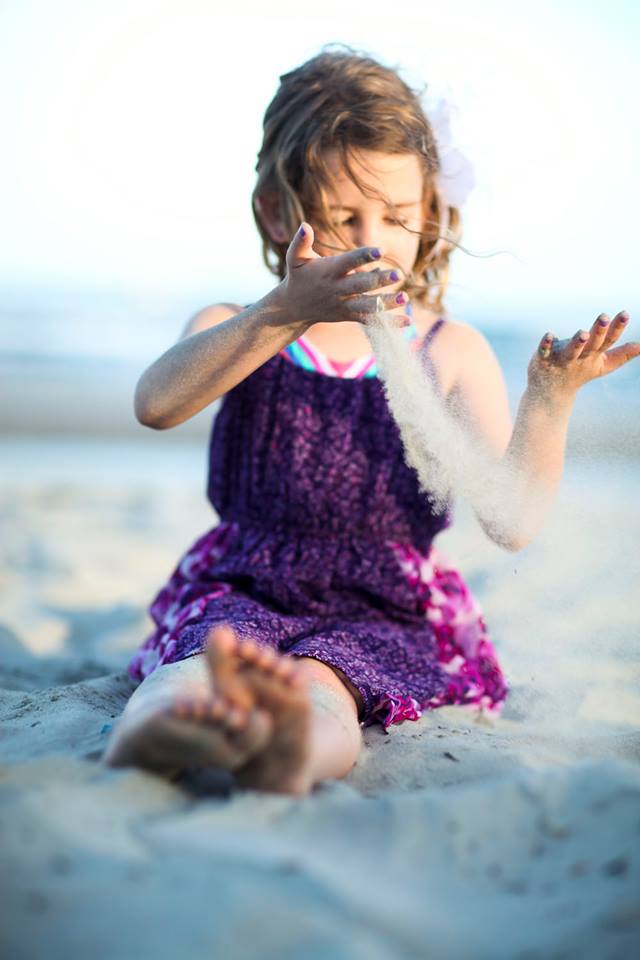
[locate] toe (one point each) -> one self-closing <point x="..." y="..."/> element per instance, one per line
<point x="216" y="709"/>
<point x="235" y="719"/>
<point x="298" y="678"/>
<point x="249" y="650"/>
<point x="179" y="709"/>
<point x="222" y="649"/>
<point x="268" y="659"/>
<point x="191" y="708"/>
<point x="284" y="667"/>
<point x="200" y="709"/>
<point x="221" y="642"/>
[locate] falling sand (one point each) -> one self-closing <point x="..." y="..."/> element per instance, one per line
<point x="449" y="459"/>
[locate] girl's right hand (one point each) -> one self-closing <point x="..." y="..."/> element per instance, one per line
<point x="320" y="289"/>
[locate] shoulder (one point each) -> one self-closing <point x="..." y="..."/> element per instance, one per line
<point x="471" y="378"/>
<point x="468" y="351"/>
<point x="209" y="317"/>
<point x="469" y="341"/>
<point x="449" y="328"/>
<point x="443" y="328"/>
<point x="456" y="348"/>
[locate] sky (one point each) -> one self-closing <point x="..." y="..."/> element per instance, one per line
<point x="131" y="129"/>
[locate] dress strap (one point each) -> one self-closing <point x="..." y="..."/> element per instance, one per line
<point x="425" y="357"/>
<point x="430" y="335"/>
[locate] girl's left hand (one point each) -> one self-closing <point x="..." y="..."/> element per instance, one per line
<point x="560" y="367"/>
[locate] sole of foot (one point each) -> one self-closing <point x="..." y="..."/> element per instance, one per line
<point x="190" y="732"/>
<point x="252" y="676"/>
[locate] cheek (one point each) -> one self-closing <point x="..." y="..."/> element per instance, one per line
<point x="409" y="249"/>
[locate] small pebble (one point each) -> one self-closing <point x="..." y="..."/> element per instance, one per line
<point x="36" y="902"/>
<point x="516" y="886"/>
<point x="616" y="866"/>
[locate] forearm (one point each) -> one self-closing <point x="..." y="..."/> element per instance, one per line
<point x="531" y="468"/>
<point x="199" y="369"/>
<point x="537" y="446"/>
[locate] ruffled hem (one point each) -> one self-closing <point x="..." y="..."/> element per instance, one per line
<point x="183" y="600"/>
<point x="464" y="650"/>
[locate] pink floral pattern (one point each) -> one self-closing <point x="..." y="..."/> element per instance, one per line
<point x="465" y="652"/>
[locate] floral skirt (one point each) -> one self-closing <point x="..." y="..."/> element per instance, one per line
<point x="400" y="669"/>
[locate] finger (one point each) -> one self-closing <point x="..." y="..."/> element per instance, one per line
<point x="364" y="281"/>
<point x="616" y="327"/>
<point x="597" y="334"/>
<point x="545" y="345"/>
<point x="371" y="305"/>
<point x="620" y="355"/>
<point x="574" y="347"/>
<point x="342" y="263"/>
<point x="301" y="247"/>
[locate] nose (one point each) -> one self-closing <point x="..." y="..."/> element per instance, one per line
<point x="367" y="234"/>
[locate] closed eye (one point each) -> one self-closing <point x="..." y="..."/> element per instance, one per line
<point x="396" y="222"/>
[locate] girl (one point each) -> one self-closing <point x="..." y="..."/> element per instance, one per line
<point x="319" y="604"/>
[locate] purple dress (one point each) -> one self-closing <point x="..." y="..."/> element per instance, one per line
<point x="325" y="549"/>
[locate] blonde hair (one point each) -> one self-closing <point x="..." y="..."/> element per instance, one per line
<point x="345" y="101"/>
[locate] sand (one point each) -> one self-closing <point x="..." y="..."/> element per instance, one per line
<point x="453" y="837"/>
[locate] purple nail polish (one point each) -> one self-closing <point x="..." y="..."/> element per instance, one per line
<point x="400" y="298"/>
<point x="602" y="322"/>
<point x="375" y="253"/>
<point x="623" y="319"/>
<point x="302" y="232"/>
<point x="394" y="276"/>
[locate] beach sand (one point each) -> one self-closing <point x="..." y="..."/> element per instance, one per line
<point x="453" y="837"/>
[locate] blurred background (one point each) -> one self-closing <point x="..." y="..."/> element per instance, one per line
<point x="130" y="134"/>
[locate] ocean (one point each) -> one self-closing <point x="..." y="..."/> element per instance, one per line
<point x="70" y="365"/>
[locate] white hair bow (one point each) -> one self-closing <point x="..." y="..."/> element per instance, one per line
<point x="456" y="178"/>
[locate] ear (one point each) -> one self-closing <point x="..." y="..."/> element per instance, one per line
<point x="267" y="206"/>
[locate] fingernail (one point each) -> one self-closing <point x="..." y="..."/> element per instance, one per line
<point x="394" y="276"/>
<point x="401" y="298"/>
<point x="623" y="318"/>
<point x="302" y="232"/>
<point x="375" y="253"/>
<point x="602" y="322"/>
<point x="583" y="336"/>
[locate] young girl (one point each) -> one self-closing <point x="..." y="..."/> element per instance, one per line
<point x="319" y="603"/>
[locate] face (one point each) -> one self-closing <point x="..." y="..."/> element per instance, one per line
<point x="391" y="218"/>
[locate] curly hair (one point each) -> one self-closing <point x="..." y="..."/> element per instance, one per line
<point x="342" y="100"/>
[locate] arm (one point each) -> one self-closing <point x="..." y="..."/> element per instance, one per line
<point x="221" y="347"/>
<point x="478" y="400"/>
<point x="218" y="349"/>
<point x="531" y="463"/>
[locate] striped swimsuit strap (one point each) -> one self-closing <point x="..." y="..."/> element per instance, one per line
<point x="309" y="357"/>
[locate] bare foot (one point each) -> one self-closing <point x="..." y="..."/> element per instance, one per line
<point x="191" y="731"/>
<point x="248" y="675"/>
